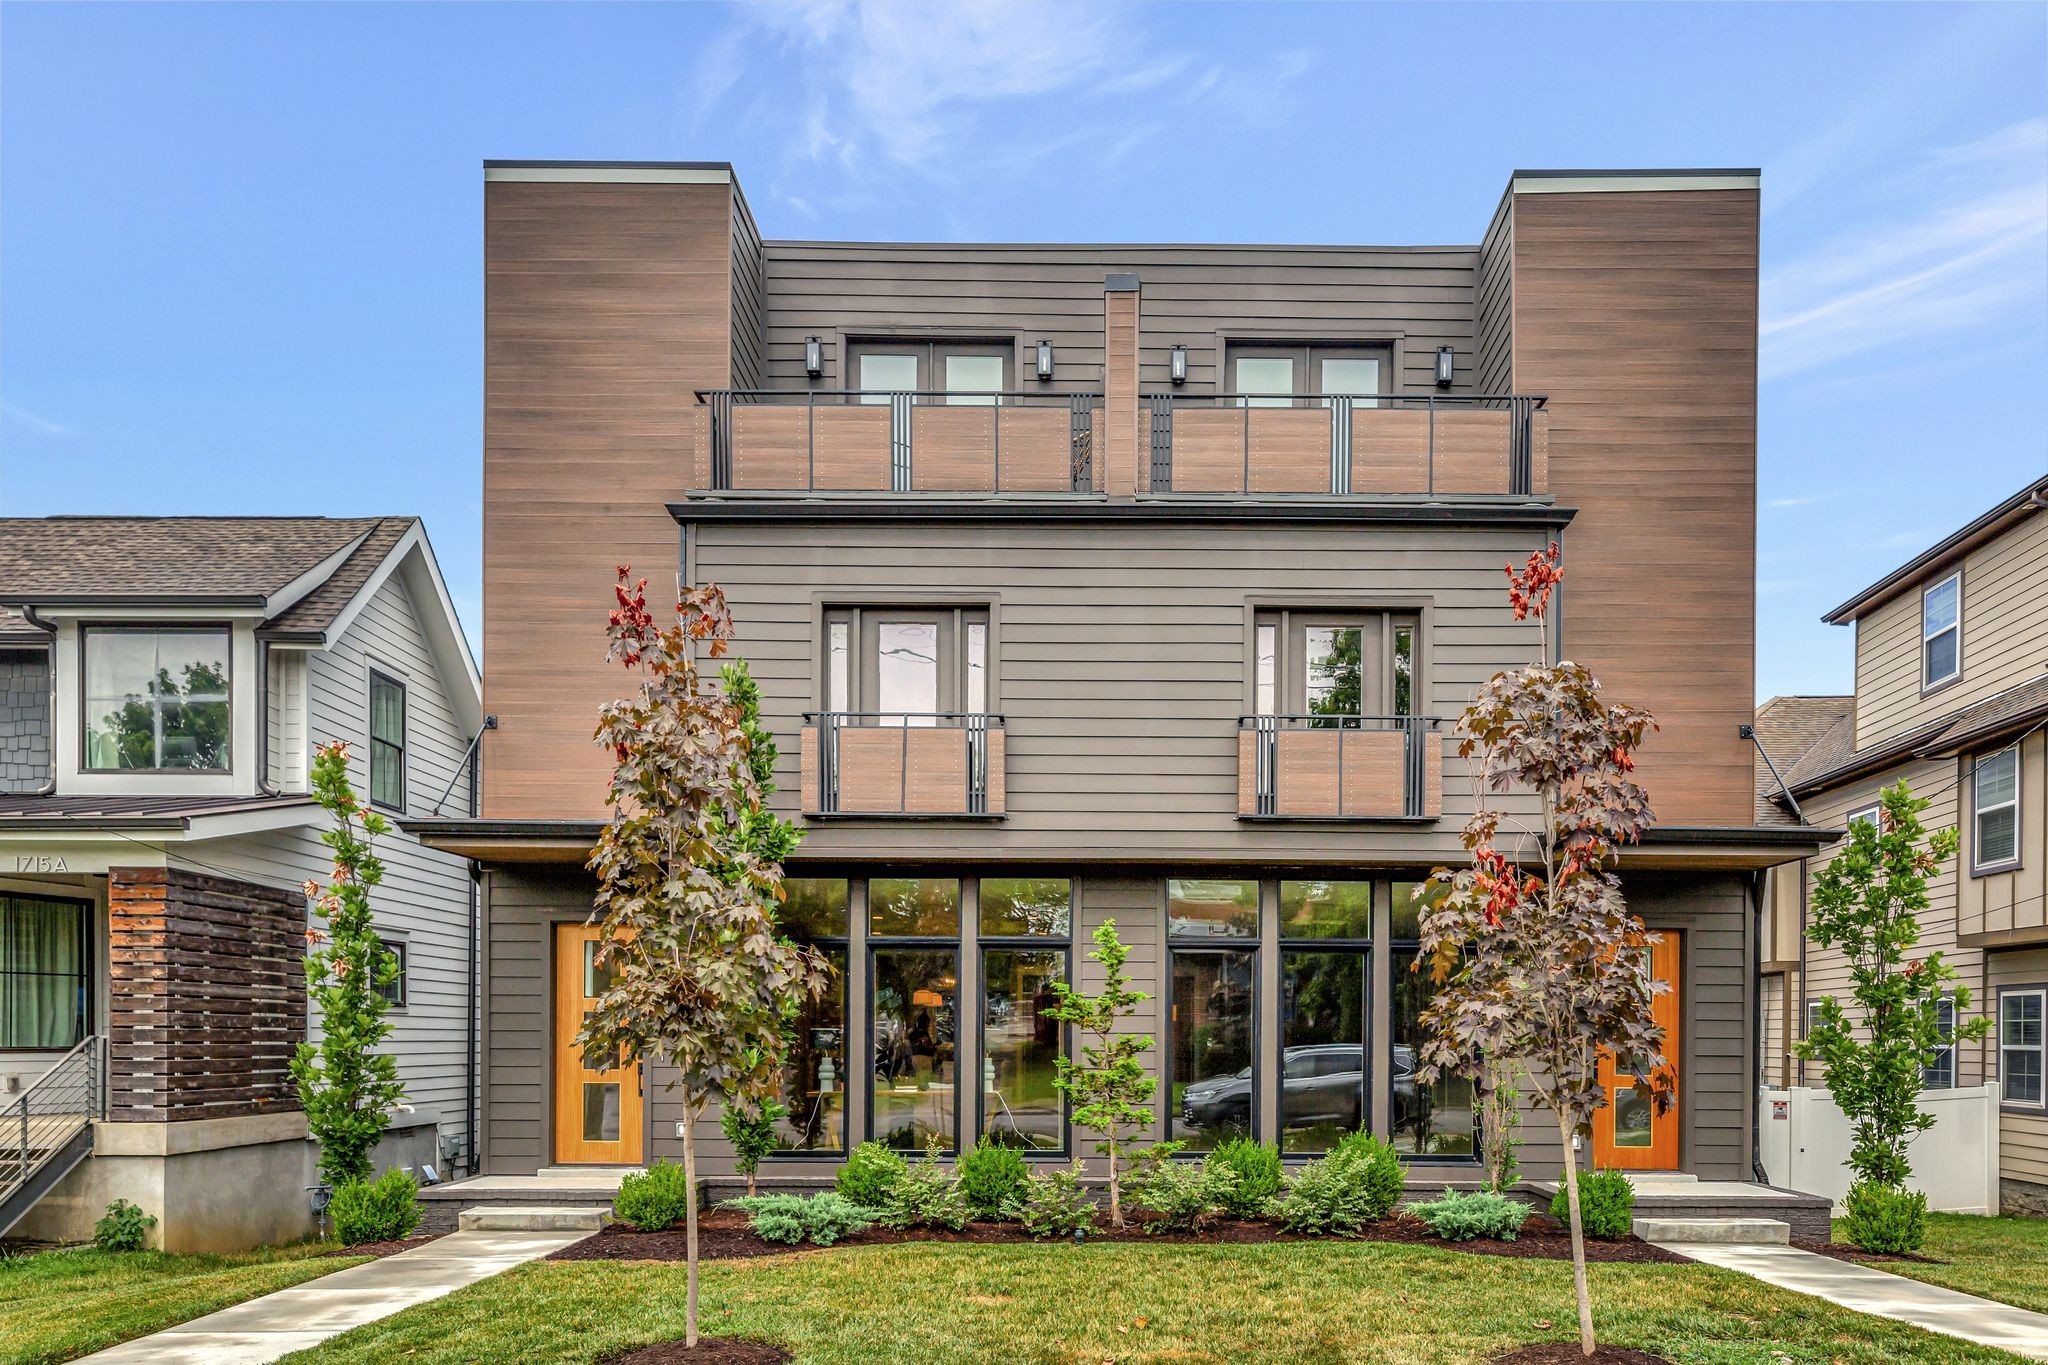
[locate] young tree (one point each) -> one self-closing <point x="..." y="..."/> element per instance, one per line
<point x="1866" y="903"/>
<point x="1537" y="960"/>
<point x="1110" y="1088"/>
<point x="347" y="1088"/>
<point x="701" y="983"/>
<point x="1499" y="1100"/>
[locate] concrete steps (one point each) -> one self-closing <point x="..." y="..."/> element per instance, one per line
<point x="530" y="1218"/>
<point x="1715" y="1231"/>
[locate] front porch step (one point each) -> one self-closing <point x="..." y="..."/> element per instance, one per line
<point x="1721" y="1231"/>
<point x="530" y="1218"/>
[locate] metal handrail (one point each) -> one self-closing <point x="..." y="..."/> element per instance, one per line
<point x="1266" y="728"/>
<point x="1049" y="396"/>
<point x="975" y="725"/>
<point x="50" y="1110"/>
<point x="1519" y="407"/>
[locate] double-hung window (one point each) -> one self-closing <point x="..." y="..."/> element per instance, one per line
<point x="2023" y="1045"/>
<point x="45" y="973"/>
<point x="1941" y="632"/>
<point x="1995" y="801"/>
<point x="1940" y="1073"/>
<point x="157" y="700"/>
<point x="387" y="742"/>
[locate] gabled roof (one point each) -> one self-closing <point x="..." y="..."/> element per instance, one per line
<point x="1788" y="728"/>
<point x="1835" y="759"/>
<point x="1944" y="552"/>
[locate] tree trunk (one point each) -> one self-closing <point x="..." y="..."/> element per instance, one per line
<point x="750" y="1182"/>
<point x="1571" y="1197"/>
<point x="690" y="1224"/>
<point x="1116" y="1202"/>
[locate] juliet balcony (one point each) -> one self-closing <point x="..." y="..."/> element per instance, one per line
<point x="1337" y="767"/>
<point x="920" y="765"/>
<point x="1042" y="442"/>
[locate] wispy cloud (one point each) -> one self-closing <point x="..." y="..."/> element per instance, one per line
<point x="35" y="421"/>
<point x="1963" y="247"/>
<point x="1781" y="504"/>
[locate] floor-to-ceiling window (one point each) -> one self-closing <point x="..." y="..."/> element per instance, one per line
<point x="1025" y="927"/>
<point x="814" y="1079"/>
<point x="914" y="1012"/>
<point x="1325" y="994"/>
<point x="1212" y="929"/>
<point x="1427" y="1120"/>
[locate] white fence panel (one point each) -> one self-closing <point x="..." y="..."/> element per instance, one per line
<point x="1805" y="1146"/>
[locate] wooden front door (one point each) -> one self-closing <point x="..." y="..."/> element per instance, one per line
<point x="1628" y="1134"/>
<point x="597" y="1111"/>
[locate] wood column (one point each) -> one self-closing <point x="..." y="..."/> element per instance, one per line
<point x="1124" y="452"/>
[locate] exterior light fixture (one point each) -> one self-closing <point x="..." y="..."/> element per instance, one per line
<point x="814" y="357"/>
<point x="1446" y="358"/>
<point x="1044" y="359"/>
<point x="1180" y="364"/>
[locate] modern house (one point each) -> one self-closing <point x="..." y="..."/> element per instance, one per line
<point x="1134" y="582"/>
<point x="1951" y="698"/>
<point x="165" y="681"/>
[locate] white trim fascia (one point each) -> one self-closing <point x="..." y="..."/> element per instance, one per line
<point x="313" y="577"/>
<point x="1634" y="184"/>
<point x="413" y="558"/>
<point x="610" y="175"/>
<point x="228" y="824"/>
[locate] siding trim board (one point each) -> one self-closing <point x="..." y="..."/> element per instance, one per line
<point x="1469" y="510"/>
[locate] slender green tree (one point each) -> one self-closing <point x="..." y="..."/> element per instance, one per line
<point x="347" y="1088"/>
<point x="1110" y="1089"/>
<point x="1866" y="904"/>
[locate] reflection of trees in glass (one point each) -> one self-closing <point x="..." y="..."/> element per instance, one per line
<point x="173" y="726"/>
<point x="1404" y="670"/>
<point x="1026" y="905"/>
<point x="1325" y="909"/>
<point x="1336" y="676"/>
<point x="1216" y="909"/>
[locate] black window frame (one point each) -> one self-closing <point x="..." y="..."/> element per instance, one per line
<point x="873" y="943"/>
<point x="1397" y="946"/>
<point x="1362" y="948"/>
<point x="1215" y="946"/>
<point x="983" y="945"/>
<point x="377" y="676"/>
<point x="396" y="995"/>
<point x="828" y="944"/>
<point x="88" y="962"/>
<point x="1940" y="1074"/>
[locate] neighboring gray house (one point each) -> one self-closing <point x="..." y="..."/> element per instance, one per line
<point x="165" y="681"/>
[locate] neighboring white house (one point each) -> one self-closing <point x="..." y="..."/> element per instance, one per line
<point x="163" y="683"/>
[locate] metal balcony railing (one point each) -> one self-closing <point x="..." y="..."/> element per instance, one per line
<point x="1310" y="443"/>
<point x="1301" y="766"/>
<point x="922" y="763"/>
<point x="875" y="440"/>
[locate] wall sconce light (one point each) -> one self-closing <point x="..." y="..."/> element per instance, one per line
<point x="1180" y="365"/>
<point x="1044" y="359"/>
<point x="1446" y="359"/>
<point x="814" y="357"/>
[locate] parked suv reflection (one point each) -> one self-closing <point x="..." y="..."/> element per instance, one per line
<point x="1321" y="1084"/>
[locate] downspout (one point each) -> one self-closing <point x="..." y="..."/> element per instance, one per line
<point x="263" y="782"/>
<point x="473" y="1005"/>
<point x="28" y="614"/>
<point x="1757" y="882"/>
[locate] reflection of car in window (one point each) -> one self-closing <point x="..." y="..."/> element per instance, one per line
<point x="1322" y="1083"/>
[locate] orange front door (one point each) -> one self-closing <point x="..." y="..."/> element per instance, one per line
<point x="597" y="1110"/>
<point x="1628" y="1135"/>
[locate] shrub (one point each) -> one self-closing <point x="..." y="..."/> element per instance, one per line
<point x="652" y="1200"/>
<point x="1482" y="1213"/>
<point x="870" y="1173"/>
<point x="1607" y="1205"/>
<point x="821" y="1219"/>
<point x="124" y="1228"/>
<point x="1256" y="1168"/>
<point x="381" y="1210"/>
<point x="1885" y="1218"/>
<point x="1354" y="1185"/>
<point x="752" y="1134"/>
<point x="926" y="1197"/>
<point x="1056" y="1205"/>
<point x="992" y="1180"/>
<point x="1184" y="1194"/>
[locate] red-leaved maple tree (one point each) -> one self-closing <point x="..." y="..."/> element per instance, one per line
<point x="1537" y="961"/>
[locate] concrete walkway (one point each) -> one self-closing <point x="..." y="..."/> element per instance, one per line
<point x="261" y="1330"/>
<point x="1870" y="1290"/>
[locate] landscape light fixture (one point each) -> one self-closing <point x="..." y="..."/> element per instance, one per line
<point x="1180" y="364"/>
<point x="1446" y="358"/>
<point x="814" y="357"/>
<point x="1044" y="359"/>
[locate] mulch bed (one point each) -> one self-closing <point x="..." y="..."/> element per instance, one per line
<point x="381" y="1249"/>
<point x="1846" y="1251"/>
<point x="723" y="1234"/>
<point x="707" y="1351"/>
<point x="1568" y="1353"/>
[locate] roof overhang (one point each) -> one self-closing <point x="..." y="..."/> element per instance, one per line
<point x="556" y="842"/>
<point x="1944" y="552"/>
<point x="1724" y="847"/>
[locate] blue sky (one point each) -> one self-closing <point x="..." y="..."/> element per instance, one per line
<point x="240" y="244"/>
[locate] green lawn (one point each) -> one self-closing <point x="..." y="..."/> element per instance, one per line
<point x="1996" y="1258"/>
<point x="57" y="1305"/>
<point x="1306" y="1302"/>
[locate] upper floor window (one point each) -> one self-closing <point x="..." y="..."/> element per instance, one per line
<point x="1270" y="375"/>
<point x="1330" y="665"/>
<point x="394" y="990"/>
<point x="387" y="742"/>
<point x="157" y="699"/>
<point x="1941" y="632"/>
<point x="1995" y="796"/>
<point x="915" y="665"/>
<point x="2022" y="1045"/>
<point x="967" y="373"/>
<point x="1865" y="815"/>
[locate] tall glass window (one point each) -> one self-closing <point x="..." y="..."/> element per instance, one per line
<point x="914" y="1012"/>
<point x="1025" y="926"/>
<point x="45" y="973"/>
<point x="1213" y="1002"/>
<point x="1428" y="1120"/>
<point x="1325" y="1040"/>
<point x="814" y="1078"/>
<point x="387" y="742"/>
<point x="156" y="699"/>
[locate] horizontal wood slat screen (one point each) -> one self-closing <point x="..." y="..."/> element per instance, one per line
<point x="208" y="995"/>
<point x="872" y="776"/>
<point x="1290" y="450"/>
<point x="1307" y="774"/>
<point x="953" y="449"/>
